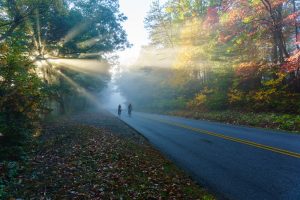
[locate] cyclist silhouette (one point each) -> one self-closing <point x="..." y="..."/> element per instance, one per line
<point x="129" y="110"/>
<point x="119" y="110"/>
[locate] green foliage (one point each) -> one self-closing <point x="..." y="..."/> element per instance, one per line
<point x="31" y="33"/>
<point x="87" y="27"/>
<point x="270" y="94"/>
<point x="227" y="55"/>
<point x="152" y="93"/>
<point x="287" y="122"/>
<point x="22" y="100"/>
<point x="217" y="101"/>
<point x="8" y="177"/>
<point x="75" y="96"/>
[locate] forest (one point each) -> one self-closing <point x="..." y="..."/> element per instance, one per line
<point x="54" y="57"/>
<point x="227" y="60"/>
<point x="230" y="61"/>
<point x="218" y="60"/>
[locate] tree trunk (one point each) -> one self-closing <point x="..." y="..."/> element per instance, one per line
<point x="62" y="108"/>
<point x="279" y="46"/>
<point x="296" y="26"/>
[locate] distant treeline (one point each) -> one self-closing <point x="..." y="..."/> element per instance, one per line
<point x="218" y="55"/>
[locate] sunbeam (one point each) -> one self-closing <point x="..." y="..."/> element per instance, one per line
<point x="81" y="27"/>
<point x="90" y="42"/>
<point x="91" y="67"/>
<point x="93" y="99"/>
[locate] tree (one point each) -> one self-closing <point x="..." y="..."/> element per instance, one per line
<point x="23" y="100"/>
<point x="160" y="26"/>
<point x="258" y="39"/>
<point x="34" y="31"/>
<point x="263" y="21"/>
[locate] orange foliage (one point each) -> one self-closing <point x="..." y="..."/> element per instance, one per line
<point x="248" y="70"/>
<point x="212" y="17"/>
<point x="292" y="63"/>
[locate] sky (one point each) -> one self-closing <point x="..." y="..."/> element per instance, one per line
<point x="136" y="11"/>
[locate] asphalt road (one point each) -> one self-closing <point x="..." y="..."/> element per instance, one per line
<point x="234" y="162"/>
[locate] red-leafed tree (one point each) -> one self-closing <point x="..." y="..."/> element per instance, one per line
<point x="264" y="20"/>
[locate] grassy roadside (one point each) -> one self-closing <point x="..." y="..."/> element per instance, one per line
<point x="85" y="161"/>
<point x="285" y="122"/>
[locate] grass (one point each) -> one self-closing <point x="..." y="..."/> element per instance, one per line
<point x="285" y="122"/>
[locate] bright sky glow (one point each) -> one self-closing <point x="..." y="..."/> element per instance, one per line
<point x="136" y="11"/>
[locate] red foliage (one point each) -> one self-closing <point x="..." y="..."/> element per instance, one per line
<point x="291" y="19"/>
<point x="260" y="17"/>
<point x="212" y="16"/>
<point x="248" y="70"/>
<point x="297" y="40"/>
<point x="223" y="38"/>
<point x="292" y="63"/>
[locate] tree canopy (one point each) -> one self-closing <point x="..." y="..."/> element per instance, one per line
<point x="230" y="54"/>
<point x="38" y="40"/>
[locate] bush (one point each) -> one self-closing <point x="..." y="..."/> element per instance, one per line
<point x="217" y="101"/>
<point x="286" y="122"/>
<point x="22" y="101"/>
<point x="9" y="171"/>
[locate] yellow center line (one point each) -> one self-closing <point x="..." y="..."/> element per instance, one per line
<point x="254" y="144"/>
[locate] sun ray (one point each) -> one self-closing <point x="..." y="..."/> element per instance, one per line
<point x="88" y="66"/>
<point x="92" y="98"/>
<point x="81" y="27"/>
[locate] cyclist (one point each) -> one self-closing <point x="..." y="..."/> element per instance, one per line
<point x="119" y="110"/>
<point x="129" y="110"/>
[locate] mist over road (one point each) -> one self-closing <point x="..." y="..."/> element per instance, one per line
<point x="233" y="161"/>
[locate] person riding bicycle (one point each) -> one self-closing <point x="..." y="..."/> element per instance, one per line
<point x="119" y="110"/>
<point x="129" y="109"/>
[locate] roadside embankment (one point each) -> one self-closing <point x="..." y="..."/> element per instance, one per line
<point x="286" y="122"/>
<point x="95" y="156"/>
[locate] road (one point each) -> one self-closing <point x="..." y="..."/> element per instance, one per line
<point x="234" y="162"/>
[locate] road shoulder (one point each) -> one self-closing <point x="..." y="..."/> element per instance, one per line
<point x="95" y="155"/>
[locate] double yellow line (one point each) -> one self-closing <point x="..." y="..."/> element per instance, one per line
<point x="246" y="142"/>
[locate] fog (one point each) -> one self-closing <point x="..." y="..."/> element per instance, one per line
<point x="111" y="96"/>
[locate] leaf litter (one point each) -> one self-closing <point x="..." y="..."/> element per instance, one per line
<point x="78" y="160"/>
